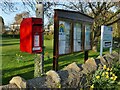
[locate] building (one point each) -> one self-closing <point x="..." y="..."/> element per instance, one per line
<point x="15" y="27"/>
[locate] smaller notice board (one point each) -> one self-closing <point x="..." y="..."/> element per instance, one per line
<point x="106" y="34"/>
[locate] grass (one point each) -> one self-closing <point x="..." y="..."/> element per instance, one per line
<point x="25" y="67"/>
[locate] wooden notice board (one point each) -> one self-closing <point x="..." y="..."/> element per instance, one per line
<point x="72" y="33"/>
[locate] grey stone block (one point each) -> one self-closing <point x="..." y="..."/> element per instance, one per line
<point x="89" y="66"/>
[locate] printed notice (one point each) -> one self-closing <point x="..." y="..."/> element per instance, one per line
<point x="36" y="40"/>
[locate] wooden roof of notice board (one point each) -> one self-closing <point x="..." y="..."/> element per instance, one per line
<point x="73" y="15"/>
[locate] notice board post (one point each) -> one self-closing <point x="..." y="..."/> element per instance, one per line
<point x="55" y="51"/>
<point x="72" y="34"/>
<point x="85" y="56"/>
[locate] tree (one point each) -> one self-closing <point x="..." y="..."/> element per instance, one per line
<point x="19" y="17"/>
<point x="102" y="12"/>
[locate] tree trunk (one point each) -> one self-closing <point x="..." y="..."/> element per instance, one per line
<point x="95" y="43"/>
<point x="94" y="48"/>
<point x="118" y="26"/>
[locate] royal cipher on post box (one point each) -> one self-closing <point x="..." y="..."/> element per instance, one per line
<point x="31" y="35"/>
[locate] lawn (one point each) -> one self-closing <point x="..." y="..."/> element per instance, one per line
<point x="25" y="67"/>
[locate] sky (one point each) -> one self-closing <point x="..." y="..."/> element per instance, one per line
<point x="9" y="17"/>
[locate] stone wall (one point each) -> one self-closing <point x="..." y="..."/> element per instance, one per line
<point x="72" y="76"/>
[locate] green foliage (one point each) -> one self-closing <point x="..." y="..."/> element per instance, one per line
<point x="116" y="69"/>
<point x="104" y="78"/>
<point x="115" y="30"/>
<point x="19" y="57"/>
<point x="48" y="37"/>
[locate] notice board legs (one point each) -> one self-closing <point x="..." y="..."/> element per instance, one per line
<point x="55" y="63"/>
<point x="85" y="56"/>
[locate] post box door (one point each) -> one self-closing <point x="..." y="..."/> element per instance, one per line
<point x="37" y="38"/>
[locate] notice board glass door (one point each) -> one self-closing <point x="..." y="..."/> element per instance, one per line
<point x="87" y="37"/>
<point x="77" y="37"/>
<point x="64" y="37"/>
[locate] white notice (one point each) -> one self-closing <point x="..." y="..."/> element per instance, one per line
<point x="36" y="40"/>
<point x="106" y="38"/>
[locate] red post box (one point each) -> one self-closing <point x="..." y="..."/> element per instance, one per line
<point x="31" y="35"/>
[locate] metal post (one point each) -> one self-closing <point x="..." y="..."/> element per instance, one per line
<point x="101" y="43"/>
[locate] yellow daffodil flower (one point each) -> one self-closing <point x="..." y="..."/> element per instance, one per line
<point x="108" y="69"/>
<point x="111" y="78"/>
<point x="104" y="67"/>
<point x="92" y="86"/>
<point x="115" y="78"/>
<point x="59" y="86"/>
<point x="97" y="77"/>
<point x="111" y="73"/>
<point x="107" y="76"/>
<point x="106" y="73"/>
<point x="103" y="74"/>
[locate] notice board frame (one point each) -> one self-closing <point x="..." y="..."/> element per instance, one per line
<point x="72" y="17"/>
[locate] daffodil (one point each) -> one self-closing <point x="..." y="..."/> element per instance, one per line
<point x="59" y="86"/>
<point x="106" y="73"/>
<point x="112" y="78"/>
<point x="97" y="77"/>
<point x="108" y="69"/>
<point x="107" y="76"/>
<point x="111" y="73"/>
<point x="104" y="67"/>
<point x="115" y="78"/>
<point x="92" y="86"/>
<point x="103" y="73"/>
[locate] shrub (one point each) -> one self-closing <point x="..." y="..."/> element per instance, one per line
<point x="104" y="78"/>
